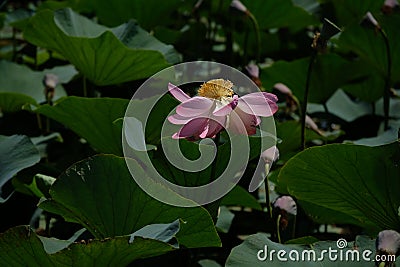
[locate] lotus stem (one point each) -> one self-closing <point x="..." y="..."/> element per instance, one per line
<point x="267" y="192"/>
<point x="84" y="87"/>
<point x="212" y="207"/>
<point x="386" y="94"/>
<point x="305" y="99"/>
<point x="294" y="226"/>
<point x="257" y="32"/>
<point x="278" y="233"/>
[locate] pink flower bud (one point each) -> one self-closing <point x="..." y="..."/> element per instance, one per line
<point x="287" y="204"/>
<point x="391" y="3"/>
<point x="311" y="124"/>
<point x="198" y="4"/>
<point x="50" y="80"/>
<point x="388" y="241"/>
<point x="283" y="89"/>
<point x="253" y="70"/>
<point x="239" y="6"/>
<point x="270" y="155"/>
<point x="369" y="18"/>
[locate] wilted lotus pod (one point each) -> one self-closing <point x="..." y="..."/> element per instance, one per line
<point x="389" y="5"/>
<point x="287" y="204"/>
<point x="328" y="30"/>
<point x="387" y="243"/>
<point x="236" y="4"/>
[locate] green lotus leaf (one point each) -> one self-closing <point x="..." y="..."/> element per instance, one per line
<point x="103" y="55"/>
<point x="19" y="85"/>
<point x="101" y="195"/>
<point x="257" y="249"/>
<point x="357" y="181"/>
<point x="16" y="153"/>
<point x="91" y="118"/>
<point x="21" y="246"/>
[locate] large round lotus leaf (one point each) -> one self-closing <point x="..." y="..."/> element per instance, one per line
<point x="100" y="194"/>
<point x="105" y="56"/>
<point x="350" y="180"/>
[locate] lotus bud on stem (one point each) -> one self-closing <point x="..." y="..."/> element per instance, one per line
<point x="387" y="243"/>
<point x="254" y="72"/>
<point x="389" y="6"/>
<point x="319" y="44"/>
<point x="269" y="156"/>
<point x="370" y="21"/>
<point x="50" y="82"/>
<point x="285" y="209"/>
<point x="239" y="6"/>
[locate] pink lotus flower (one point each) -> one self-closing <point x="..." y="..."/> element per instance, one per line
<point x="216" y="107"/>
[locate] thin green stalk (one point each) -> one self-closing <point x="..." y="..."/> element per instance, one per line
<point x="210" y="35"/>
<point x="35" y="59"/>
<point x="3" y="4"/>
<point x="257" y="32"/>
<point x="214" y="164"/>
<point x="325" y="107"/>
<point x="84" y="87"/>
<point x="39" y="122"/>
<point x="267" y="192"/>
<point x="386" y="94"/>
<point x="47" y="125"/>
<point x="294" y="227"/>
<point x="305" y="99"/>
<point x="47" y="226"/>
<point x="245" y="47"/>
<point x="278" y="233"/>
<point x="212" y="207"/>
<point x="14" y="44"/>
<point x="50" y="103"/>
<point x="229" y="44"/>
